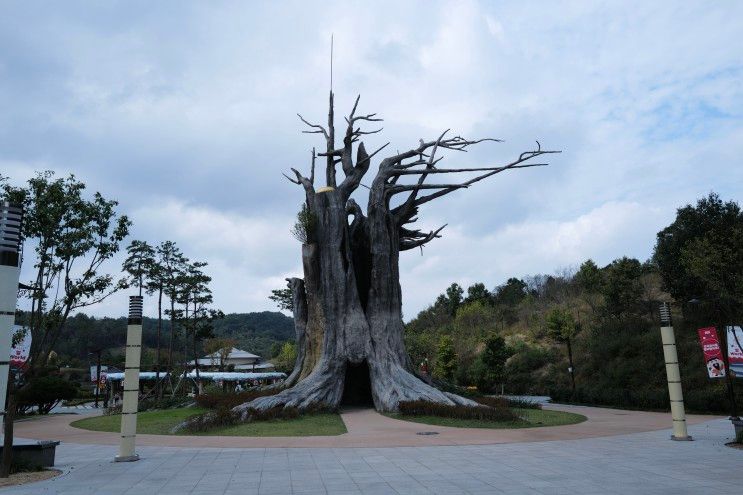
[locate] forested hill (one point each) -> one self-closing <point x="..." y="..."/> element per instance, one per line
<point x="254" y="332"/>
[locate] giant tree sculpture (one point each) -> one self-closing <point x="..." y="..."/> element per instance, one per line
<point x="347" y="309"/>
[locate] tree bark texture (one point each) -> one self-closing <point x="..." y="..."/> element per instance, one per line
<point x="348" y="306"/>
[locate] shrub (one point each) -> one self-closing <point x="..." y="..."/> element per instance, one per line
<point x="507" y="402"/>
<point x="45" y="392"/>
<point x="304" y="229"/>
<point x="222" y="417"/>
<point x="739" y="437"/>
<point x="214" y="398"/>
<point x="177" y="402"/>
<point x="711" y="399"/>
<point x="483" y="413"/>
<point x="112" y="410"/>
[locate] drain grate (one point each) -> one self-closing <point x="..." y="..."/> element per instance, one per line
<point x="427" y="433"/>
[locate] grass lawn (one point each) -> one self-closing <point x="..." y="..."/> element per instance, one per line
<point x="161" y="422"/>
<point x="532" y="418"/>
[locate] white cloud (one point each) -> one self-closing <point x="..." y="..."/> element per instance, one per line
<point x="534" y="246"/>
<point x="187" y="117"/>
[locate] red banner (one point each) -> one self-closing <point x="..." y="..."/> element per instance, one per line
<point x="712" y="352"/>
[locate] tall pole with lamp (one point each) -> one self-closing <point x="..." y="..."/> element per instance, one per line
<point x="11" y="221"/>
<point x="131" y="381"/>
<point x="673" y="374"/>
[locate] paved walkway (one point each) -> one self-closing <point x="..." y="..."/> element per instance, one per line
<point x="367" y="428"/>
<point x="639" y="463"/>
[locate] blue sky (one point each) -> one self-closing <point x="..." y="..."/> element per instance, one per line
<point x="185" y="113"/>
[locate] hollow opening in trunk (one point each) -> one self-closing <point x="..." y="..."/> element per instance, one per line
<point x="357" y="386"/>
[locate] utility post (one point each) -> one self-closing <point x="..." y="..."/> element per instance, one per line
<point x="673" y="374"/>
<point x="131" y="382"/>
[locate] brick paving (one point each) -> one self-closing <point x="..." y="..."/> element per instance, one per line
<point x="637" y="463"/>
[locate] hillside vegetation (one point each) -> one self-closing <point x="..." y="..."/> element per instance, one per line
<point x="519" y="336"/>
<point x="261" y="333"/>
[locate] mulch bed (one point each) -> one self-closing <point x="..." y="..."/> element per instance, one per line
<point x="28" y="477"/>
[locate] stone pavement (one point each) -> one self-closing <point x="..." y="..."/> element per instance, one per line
<point x="367" y="428"/>
<point x="639" y="463"/>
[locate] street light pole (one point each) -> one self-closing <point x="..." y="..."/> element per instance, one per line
<point x="11" y="217"/>
<point x="11" y="221"/>
<point x="131" y="382"/>
<point x="673" y="374"/>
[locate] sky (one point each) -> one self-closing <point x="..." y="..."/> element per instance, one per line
<point x="185" y="112"/>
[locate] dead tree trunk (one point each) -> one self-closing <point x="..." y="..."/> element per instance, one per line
<point x="347" y="309"/>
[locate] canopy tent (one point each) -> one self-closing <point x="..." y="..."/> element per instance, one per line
<point x="226" y="376"/>
<point x="233" y="376"/>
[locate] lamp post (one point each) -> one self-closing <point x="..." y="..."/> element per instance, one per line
<point x="11" y="221"/>
<point x="673" y="374"/>
<point x="131" y="382"/>
<point x="11" y="218"/>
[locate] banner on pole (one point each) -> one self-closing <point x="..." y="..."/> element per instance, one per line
<point x="19" y="352"/>
<point x="735" y="351"/>
<point x="712" y="352"/>
<point x="94" y="374"/>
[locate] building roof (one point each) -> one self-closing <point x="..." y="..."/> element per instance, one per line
<point x="235" y="353"/>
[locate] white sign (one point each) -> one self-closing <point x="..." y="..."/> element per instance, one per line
<point x="19" y="352"/>
<point x="94" y="374"/>
<point x="735" y="353"/>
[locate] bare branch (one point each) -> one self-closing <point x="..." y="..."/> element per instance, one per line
<point x="457" y="170"/>
<point x="418" y="240"/>
<point x="417" y="187"/>
<point x="527" y="155"/>
<point x="293" y="181"/>
<point x="318" y="128"/>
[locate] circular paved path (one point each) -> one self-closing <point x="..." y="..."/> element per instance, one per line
<point x="637" y="463"/>
<point x="367" y="428"/>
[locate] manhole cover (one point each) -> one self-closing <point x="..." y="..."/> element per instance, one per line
<point x="427" y="433"/>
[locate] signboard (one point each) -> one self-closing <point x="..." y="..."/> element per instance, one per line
<point x="712" y="352"/>
<point x="19" y="352"/>
<point x="94" y="375"/>
<point x="735" y="352"/>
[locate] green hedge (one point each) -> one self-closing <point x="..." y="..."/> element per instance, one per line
<point x="712" y="399"/>
<point x="484" y="413"/>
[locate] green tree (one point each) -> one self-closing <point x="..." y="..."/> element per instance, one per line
<point x="286" y="358"/>
<point x="45" y="392"/>
<point x="446" y="359"/>
<point x="562" y="327"/>
<point x="589" y="277"/>
<point x="139" y="264"/>
<point x="478" y="293"/>
<point x="698" y="257"/>
<point x="511" y="293"/>
<point x="196" y="296"/>
<point x="283" y="298"/>
<point x="622" y="288"/>
<point x="73" y="237"/>
<point x="171" y="268"/>
<point x="454" y="298"/>
<point x="489" y="369"/>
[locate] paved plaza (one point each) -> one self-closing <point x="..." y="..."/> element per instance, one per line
<point x="637" y="463"/>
